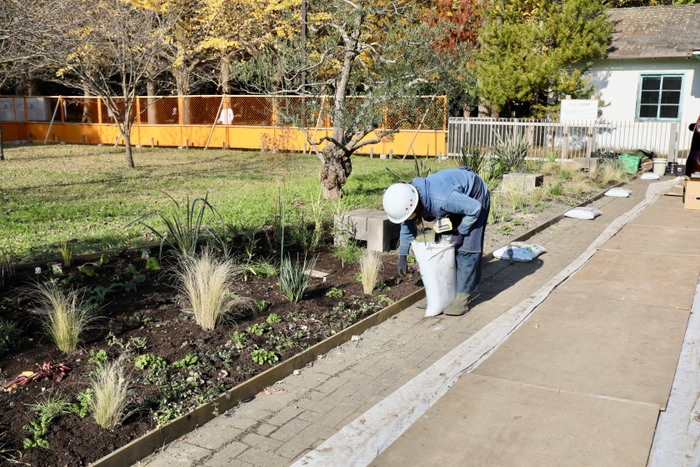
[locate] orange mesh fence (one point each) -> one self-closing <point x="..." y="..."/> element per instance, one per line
<point x="235" y="111"/>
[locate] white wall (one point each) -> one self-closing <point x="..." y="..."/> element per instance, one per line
<point x="617" y="81"/>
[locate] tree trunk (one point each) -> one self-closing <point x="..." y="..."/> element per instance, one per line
<point x="151" y="90"/>
<point x="334" y="172"/>
<point x="2" y="152"/>
<point x="225" y="76"/>
<point x="127" y="146"/>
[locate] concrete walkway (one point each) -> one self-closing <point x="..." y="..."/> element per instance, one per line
<point x="594" y="359"/>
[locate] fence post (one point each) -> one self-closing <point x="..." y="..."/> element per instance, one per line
<point x="673" y="143"/>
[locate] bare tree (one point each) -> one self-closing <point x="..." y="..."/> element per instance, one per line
<point x="108" y="48"/>
<point x="381" y="51"/>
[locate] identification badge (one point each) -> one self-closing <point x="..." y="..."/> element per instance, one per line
<point x="443" y="225"/>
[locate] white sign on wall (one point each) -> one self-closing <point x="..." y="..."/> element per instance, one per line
<point x="579" y="110"/>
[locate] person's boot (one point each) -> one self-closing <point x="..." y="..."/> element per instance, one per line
<point x="459" y="306"/>
<point x="422" y="304"/>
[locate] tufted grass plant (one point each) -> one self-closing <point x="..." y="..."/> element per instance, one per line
<point x="515" y="193"/>
<point x="65" y="314"/>
<point x="370" y="265"/>
<point x="611" y="170"/>
<point x="110" y="384"/>
<point x="295" y="277"/>
<point x="204" y="281"/>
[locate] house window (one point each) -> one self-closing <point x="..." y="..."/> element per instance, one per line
<point x="660" y="97"/>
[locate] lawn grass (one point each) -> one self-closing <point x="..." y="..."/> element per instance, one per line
<point x="86" y="196"/>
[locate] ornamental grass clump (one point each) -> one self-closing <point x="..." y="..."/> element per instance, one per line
<point x="109" y="384"/>
<point x="295" y="277"/>
<point x="65" y="314"/>
<point x="370" y="264"/>
<point x="204" y="280"/>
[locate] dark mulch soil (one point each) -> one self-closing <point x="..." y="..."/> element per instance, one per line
<point x="155" y="312"/>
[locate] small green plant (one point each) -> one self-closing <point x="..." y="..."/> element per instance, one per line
<point x="357" y="276"/>
<point x="295" y="277"/>
<point x="370" y="264"/>
<point x="46" y="410"/>
<point x="84" y="398"/>
<point x="9" y="333"/>
<point x="204" y="281"/>
<point x="334" y="293"/>
<point x="149" y="361"/>
<point x="109" y="385"/>
<point x="188" y="363"/>
<point x="239" y="338"/>
<point x="258" y="329"/>
<point x="152" y="264"/>
<point x="383" y="300"/>
<point x="7" y="265"/>
<point x="98" y="358"/>
<point x="262" y="305"/>
<point x="262" y="357"/>
<point x="554" y="190"/>
<point x="66" y="253"/>
<point x="273" y="318"/>
<point x="66" y="315"/>
<point x="348" y="252"/>
<point x="505" y="229"/>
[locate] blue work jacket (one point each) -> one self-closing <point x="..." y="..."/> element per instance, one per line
<point x="443" y="193"/>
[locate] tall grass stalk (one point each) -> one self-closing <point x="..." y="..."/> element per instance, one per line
<point x="204" y="281"/>
<point x="612" y="170"/>
<point x="295" y="277"/>
<point x="473" y="158"/>
<point x="110" y="384"/>
<point x="66" y="315"/>
<point x="370" y="265"/>
<point x="511" y="152"/>
<point x="515" y="193"/>
<point x="66" y="253"/>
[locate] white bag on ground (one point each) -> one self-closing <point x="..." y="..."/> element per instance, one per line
<point x="650" y="176"/>
<point x="439" y="273"/>
<point x="523" y="252"/>
<point x="618" y="192"/>
<point x="583" y="213"/>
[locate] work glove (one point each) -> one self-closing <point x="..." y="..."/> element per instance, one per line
<point x="457" y="240"/>
<point x="401" y="267"/>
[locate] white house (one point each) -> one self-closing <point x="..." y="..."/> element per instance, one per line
<point x="652" y="68"/>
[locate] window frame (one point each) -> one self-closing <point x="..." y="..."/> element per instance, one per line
<point x="658" y="105"/>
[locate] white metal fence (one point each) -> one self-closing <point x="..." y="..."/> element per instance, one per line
<point x="571" y="139"/>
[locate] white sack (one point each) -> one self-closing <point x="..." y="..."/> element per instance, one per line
<point x="583" y="213"/>
<point x="618" y="192"/>
<point x="439" y="273"/>
<point x="523" y="252"/>
<point x="650" y="176"/>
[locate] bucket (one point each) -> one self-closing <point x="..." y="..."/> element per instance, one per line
<point x="660" y="166"/>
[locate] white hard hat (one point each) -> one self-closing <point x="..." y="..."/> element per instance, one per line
<point x="400" y="200"/>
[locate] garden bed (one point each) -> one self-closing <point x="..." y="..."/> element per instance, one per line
<point x="150" y="321"/>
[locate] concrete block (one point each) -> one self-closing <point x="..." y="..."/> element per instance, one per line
<point x="372" y="226"/>
<point x="527" y="181"/>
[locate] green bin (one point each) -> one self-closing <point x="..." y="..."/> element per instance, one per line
<point x="630" y="163"/>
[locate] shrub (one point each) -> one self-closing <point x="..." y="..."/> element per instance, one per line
<point x="262" y="356"/>
<point x="109" y="386"/>
<point x="514" y="193"/>
<point x="204" y="281"/>
<point x="66" y="315"/>
<point x="349" y="252"/>
<point x="474" y="159"/>
<point x="370" y="264"/>
<point x="295" y="277"/>
<point x="511" y="152"/>
<point x="611" y="170"/>
<point x="184" y="225"/>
